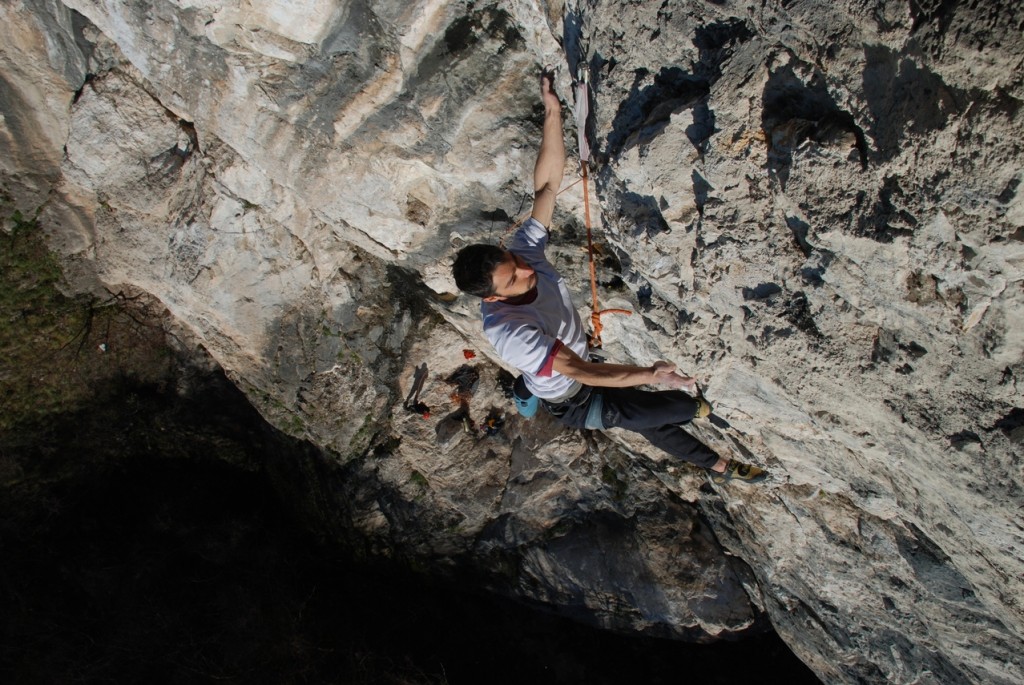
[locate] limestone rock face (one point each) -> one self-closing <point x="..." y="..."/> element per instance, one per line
<point x="813" y="207"/>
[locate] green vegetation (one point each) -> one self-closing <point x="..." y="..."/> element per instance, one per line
<point x="60" y="352"/>
<point x="363" y="437"/>
<point x="347" y="354"/>
<point x="295" y="425"/>
<point x="614" y="480"/>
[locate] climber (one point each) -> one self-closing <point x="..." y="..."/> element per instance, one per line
<point x="533" y="325"/>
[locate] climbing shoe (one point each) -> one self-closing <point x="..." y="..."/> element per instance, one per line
<point x="703" y="408"/>
<point x="737" y="470"/>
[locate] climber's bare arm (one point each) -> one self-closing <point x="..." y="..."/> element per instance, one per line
<point x="550" y="167"/>
<point x="570" y="364"/>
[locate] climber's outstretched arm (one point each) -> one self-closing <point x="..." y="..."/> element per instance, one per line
<point x="547" y="174"/>
<point x="568" y="363"/>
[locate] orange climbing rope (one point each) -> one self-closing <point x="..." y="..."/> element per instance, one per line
<point x="582" y="113"/>
<point x="596" y="311"/>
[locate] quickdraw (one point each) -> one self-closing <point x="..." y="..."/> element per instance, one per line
<point x="582" y="112"/>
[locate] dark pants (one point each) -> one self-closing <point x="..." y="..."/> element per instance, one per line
<point x="657" y="416"/>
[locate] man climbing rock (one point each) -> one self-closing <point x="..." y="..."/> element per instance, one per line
<point x="530" y="319"/>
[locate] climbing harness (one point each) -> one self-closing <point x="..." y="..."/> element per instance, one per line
<point x="582" y="112"/>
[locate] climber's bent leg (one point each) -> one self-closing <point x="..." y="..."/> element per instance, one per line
<point x="657" y="416"/>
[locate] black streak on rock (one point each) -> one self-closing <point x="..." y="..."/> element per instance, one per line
<point x="886" y="220"/>
<point x="645" y="113"/>
<point x="800" y="229"/>
<point x="795" y="111"/>
<point x="761" y="292"/>
<point x="798" y="313"/>
<point x="1012" y="422"/>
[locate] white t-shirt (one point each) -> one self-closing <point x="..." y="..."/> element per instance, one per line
<point x="527" y="335"/>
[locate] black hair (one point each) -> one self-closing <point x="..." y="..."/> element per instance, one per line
<point x="474" y="268"/>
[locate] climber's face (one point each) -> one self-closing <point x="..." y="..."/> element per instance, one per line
<point x="512" y="278"/>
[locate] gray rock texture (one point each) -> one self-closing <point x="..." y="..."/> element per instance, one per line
<point x="814" y="207"/>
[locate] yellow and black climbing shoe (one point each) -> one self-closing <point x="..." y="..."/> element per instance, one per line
<point x="703" y="408"/>
<point x="737" y="470"/>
